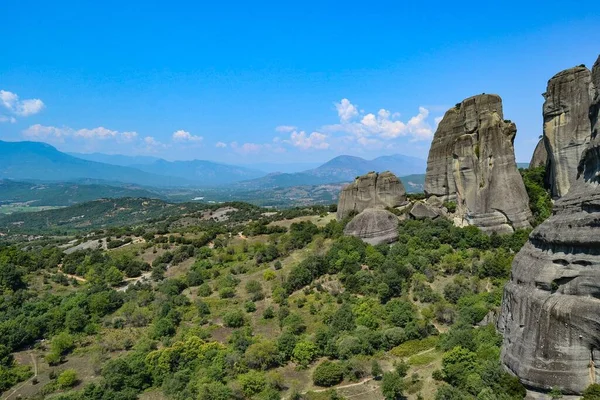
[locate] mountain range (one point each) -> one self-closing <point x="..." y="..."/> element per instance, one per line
<point x="40" y="162"/>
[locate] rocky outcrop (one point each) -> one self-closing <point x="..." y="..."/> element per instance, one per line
<point x="425" y="211"/>
<point x="472" y="162"/>
<point x="540" y="155"/>
<point x="374" y="226"/>
<point x="372" y="190"/>
<point x="550" y="315"/>
<point x="566" y="125"/>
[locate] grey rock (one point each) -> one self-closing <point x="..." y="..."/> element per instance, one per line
<point x="370" y="191"/>
<point x="374" y="226"/>
<point x="435" y="201"/>
<point x="472" y="162"/>
<point x="540" y="155"/>
<point x="424" y="211"/>
<point x="550" y="315"/>
<point x="566" y="125"/>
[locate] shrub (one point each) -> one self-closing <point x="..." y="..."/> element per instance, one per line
<point x="328" y="374"/>
<point x="234" y="319"/>
<point x="67" y="378"/>
<point x="592" y="392"/>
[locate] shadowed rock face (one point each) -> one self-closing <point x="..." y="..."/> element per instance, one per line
<point x="550" y="313"/>
<point x="374" y="226"/>
<point x="371" y="191"/>
<point x="472" y="161"/>
<point x="540" y="155"/>
<point x="567" y="125"/>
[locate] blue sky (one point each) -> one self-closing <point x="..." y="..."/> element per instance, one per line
<point x="276" y="81"/>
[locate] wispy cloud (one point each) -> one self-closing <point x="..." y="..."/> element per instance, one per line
<point x="221" y="145"/>
<point x="53" y="133"/>
<point x="285" y="128"/>
<point x="13" y="106"/>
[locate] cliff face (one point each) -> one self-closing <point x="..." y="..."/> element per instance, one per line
<point x="550" y="313"/>
<point x="540" y="155"/>
<point x="567" y="125"/>
<point x="372" y="190"/>
<point x="472" y="161"/>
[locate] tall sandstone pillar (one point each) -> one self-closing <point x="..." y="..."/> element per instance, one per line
<point x="566" y="125"/>
<point x="472" y="162"/>
<point x="550" y="315"/>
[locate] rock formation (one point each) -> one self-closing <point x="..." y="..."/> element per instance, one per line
<point x="540" y="155"/>
<point x="372" y="190"/>
<point x="472" y="162"/>
<point x="566" y="125"/>
<point x="550" y="314"/>
<point x="425" y="211"/>
<point x="374" y="226"/>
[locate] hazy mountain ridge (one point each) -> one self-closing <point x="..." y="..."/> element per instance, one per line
<point x="40" y="161"/>
<point x="341" y="169"/>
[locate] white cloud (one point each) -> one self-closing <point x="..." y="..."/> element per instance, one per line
<point x="370" y="131"/>
<point x="285" y="128"/>
<point x="184" y="136"/>
<point x="51" y="133"/>
<point x="4" y="118"/>
<point x="221" y="145"/>
<point x="21" y="108"/>
<point x="437" y="120"/>
<point x="346" y="110"/>
<point x="384" y="125"/>
<point x="315" y="140"/>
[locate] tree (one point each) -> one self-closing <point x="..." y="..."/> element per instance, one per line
<point x="376" y="370"/>
<point x="67" y="379"/>
<point x="392" y="386"/>
<point x="113" y="276"/>
<point x="262" y="355"/>
<point x="214" y="391"/>
<point x="252" y="382"/>
<point x="234" y="319"/>
<point x="254" y="289"/>
<point x="76" y="319"/>
<point x="60" y="345"/>
<point x="457" y="364"/>
<point x="11" y="277"/>
<point x="328" y="373"/>
<point x="304" y="353"/>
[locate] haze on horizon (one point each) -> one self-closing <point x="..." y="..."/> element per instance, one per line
<point x="275" y="83"/>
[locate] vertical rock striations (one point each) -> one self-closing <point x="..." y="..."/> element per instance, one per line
<point x="472" y="161"/>
<point x="540" y="155"/>
<point x="566" y="125"/>
<point x="550" y="313"/>
<point x="372" y="190"/>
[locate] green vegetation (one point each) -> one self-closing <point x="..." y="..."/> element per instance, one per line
<point x="540" y="200"/>
<point x="257" y="305"/>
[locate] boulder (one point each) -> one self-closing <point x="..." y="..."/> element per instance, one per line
<point x="566" y="125"/>
<point x="472" y="162"/>
<point x="374" y="226"/>
<point x="550" y="314"/>
<point x="424" y="211"/>
<point x="540" y="155"/>
<point x="370" y="191"/>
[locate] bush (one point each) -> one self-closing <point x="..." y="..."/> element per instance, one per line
<point x="328" y="374"/>
<point x="67" y="379"/>
<point x="269" y="313"/>
<point x="592" y="392"/>
<point x="392" y="386"/>
<point x="234" y="319"/>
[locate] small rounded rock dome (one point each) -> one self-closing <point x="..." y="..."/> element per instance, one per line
<point x="374" y="226"/>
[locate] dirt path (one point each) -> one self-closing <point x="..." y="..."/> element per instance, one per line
<point x="363" y="381"/>
<point x="28" y="381"/>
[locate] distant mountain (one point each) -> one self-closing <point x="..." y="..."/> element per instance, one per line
<point x="282" y="168"/>
<point x="116" y="159"/>
<point x="200" y="172"/>
<point x="65" y="193"/>
<point x="341" y="169"/>
<point x="42" y="162"/>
